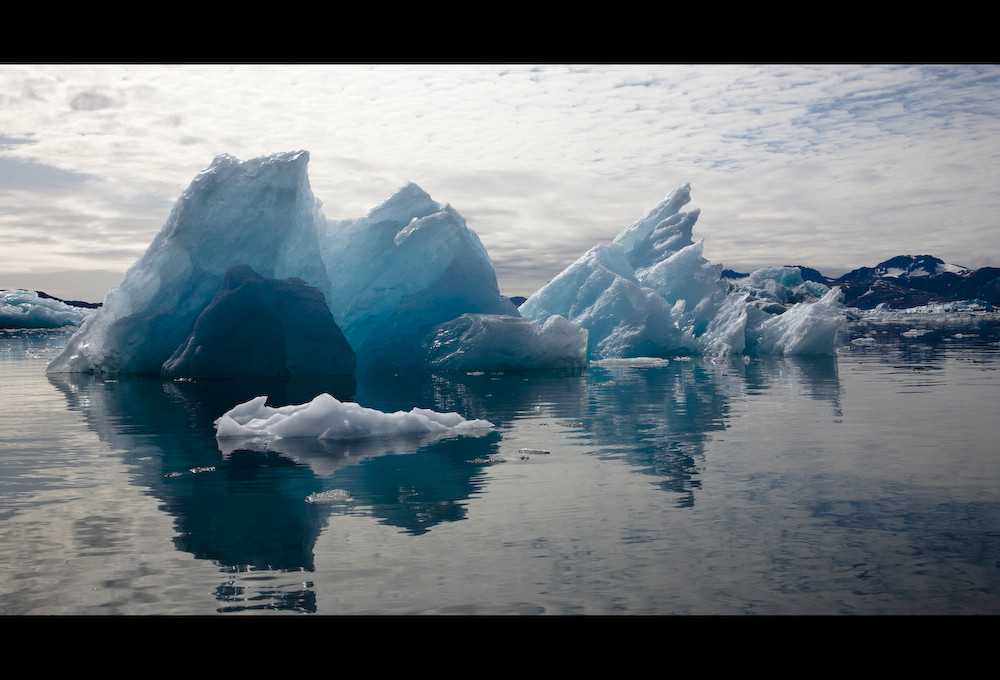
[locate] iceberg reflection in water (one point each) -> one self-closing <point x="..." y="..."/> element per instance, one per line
<point x="822" y="485"/>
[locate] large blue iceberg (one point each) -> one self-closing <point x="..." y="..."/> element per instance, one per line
<point x="248" y="277"/>
<point x="389" y="281"/>
<point x="259" y="213"/>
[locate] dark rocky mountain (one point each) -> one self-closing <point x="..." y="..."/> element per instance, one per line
<point x="914" y="280"/>
<point x="907" y="281"/>
<point x="71" y="303"/>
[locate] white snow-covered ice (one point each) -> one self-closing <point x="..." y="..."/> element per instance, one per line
<point x="326" y="417"/>
<point x="27" y="309"/>
<point x="650" y="292"/>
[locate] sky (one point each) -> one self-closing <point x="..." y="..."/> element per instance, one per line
<point x="833" y="166"/>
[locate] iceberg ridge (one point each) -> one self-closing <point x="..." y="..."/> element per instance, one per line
<point x="651" y="292"/>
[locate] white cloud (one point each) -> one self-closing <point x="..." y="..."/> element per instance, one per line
<point x="828" y="165"/>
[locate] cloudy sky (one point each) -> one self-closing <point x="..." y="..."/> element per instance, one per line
<point x="831" y="166"/>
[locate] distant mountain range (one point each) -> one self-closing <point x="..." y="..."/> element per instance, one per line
<point x="908" y="281"/>
<point x="900" y="282"/>
<point x="71" y="303"/>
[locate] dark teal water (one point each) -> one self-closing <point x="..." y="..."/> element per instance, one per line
<point x="861" y="484"/>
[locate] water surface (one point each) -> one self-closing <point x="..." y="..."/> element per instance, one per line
<point x="859" y="484"/>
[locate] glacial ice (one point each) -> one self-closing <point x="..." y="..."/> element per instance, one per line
<point x="411" y="286"/>
<point x="398" y="272"/>
<point x="260" y="213"/>
<point x="263" y="327"/>
<point x="651" y="292"/>
<point x="326" y="417"/>
<point x="785" y="285"/>
<point x="389" y="280"/>
<point x="27" y="309"/>
<point x="500" y="343"/>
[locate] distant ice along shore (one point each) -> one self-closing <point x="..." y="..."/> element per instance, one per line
<point x="248" y="277"/>
<point x="35" y="309"/>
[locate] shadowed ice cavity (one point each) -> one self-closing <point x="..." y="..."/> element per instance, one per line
<point x="244" y="505"/>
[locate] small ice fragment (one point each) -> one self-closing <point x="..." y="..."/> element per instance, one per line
<point x="331" y="497"/>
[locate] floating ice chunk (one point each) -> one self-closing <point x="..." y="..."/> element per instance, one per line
<point x="639" y="362"/>
<point x="494" y="342"/>
<point x="27" y="309"/>
<point x="331" y="497"/>
<point x="599" y="292"/>
<point x="786" y="285"/>
<point x="806" y="328"/>
<point x="326" y="417"/>
<point x="492" y="459"/>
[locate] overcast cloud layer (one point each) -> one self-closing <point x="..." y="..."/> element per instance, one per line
<point x="832" y="166"/>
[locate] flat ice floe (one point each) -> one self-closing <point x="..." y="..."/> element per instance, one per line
<point x="325" y="417"/>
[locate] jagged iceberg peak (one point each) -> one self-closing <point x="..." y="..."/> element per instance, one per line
<point x="652" y="293"/>
<point x="405" y="204"/>
<point x="663" y="230"/>
<point x="260" y="213"/>
<point x="410" y="264"/>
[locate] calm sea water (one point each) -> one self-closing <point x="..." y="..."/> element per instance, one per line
<point x="868" y="483"/>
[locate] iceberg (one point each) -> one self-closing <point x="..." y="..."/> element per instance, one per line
<point x="248" y="278"/>
<point x="375" y="289"/>
<point x="408" y="266"/>
<point x="259" y="213"/>
<point x="27" y="309"/>
<point x="651" y="292"/>
<point x="326" y="417"/>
